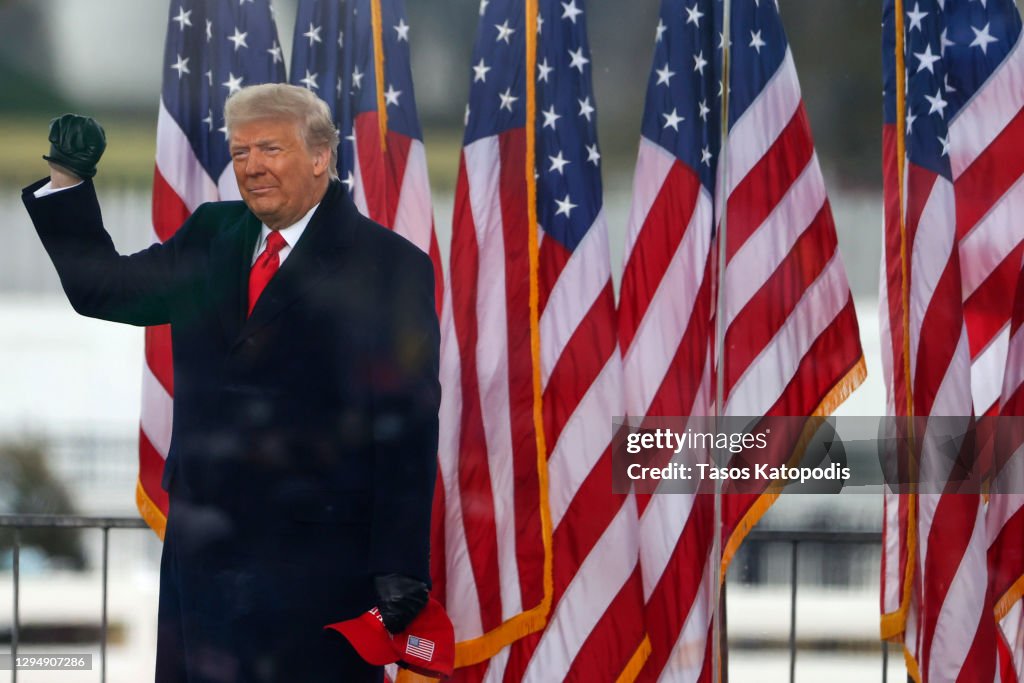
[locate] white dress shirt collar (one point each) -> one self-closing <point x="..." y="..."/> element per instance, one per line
<point x="291" y="236"/>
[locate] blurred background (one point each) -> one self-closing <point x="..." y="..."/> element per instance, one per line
<point x="70" y="393"/>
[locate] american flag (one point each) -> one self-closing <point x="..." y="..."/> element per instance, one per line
<point x="338" y="50"/>
<point x="420" y="647"/>
<point x="213" y="48"/>
<point x="791" y="337"/>
<point x="981" y="49"/>
<point x="934" y="574"/>
<point x="984" y="59"/>
<point x="539" y="551"/>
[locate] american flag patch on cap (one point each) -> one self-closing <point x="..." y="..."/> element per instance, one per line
<point x="420" y="647"/>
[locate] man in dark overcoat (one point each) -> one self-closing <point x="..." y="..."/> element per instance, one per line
<point x="305" y="343"/>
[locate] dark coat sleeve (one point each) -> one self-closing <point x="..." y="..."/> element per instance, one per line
<point x="406" y="395"/>
<point x="100" y="283"/>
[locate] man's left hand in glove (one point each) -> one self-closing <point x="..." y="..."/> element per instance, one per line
<point x="399" y="599"/>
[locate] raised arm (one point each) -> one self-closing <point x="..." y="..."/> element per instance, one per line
<point x="99" y="282"/>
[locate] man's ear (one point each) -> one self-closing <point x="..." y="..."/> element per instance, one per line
<point x="321" y="158"/>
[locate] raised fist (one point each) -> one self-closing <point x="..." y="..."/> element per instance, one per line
<point x="76" y="143"/>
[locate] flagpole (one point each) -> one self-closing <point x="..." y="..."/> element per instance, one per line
<point x="720" y="666"/>
<point x="377" y="24"/>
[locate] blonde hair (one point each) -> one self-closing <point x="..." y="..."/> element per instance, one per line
<point x="283" y="101"/>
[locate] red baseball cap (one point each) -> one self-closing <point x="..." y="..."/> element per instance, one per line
<point x="427" y="646"/>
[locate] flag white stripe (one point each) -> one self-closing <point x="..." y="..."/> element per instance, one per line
<point x="987" y="371"/>
<point x="586" y="599"/>
<point x="227" y="185"/>
<point x="1015" y="367"/>
<point x="156" y="412"/>
<point x="1007" y="497"/>
<point x="892" y="596"/>
<point x="414" y="215"/>
<point x="665" y="516"/>
<point x="926" y="504"/>
<point x="929" y="257"/>
<point x="992" y="239"/>
<point x="952" y="400"/>
<point x="178" y="163"/>
<point x="963" y="608"/>
<point x="1012" y="626"/>
<point x="358" y="191"/>
<point x="686" y="662"/>
<point x="581" y="281"/>
<point x="760" y="125"/>
<point x="661" y="524"/>
<point x="496" y="666"/>
<point x="767" y="377"/>
<point x="885" y="332"/>
<point x="758" y="258"/>
<point x="984" y="117"/>
<point x="459" y="576"/>
<point x="491" y="356"/>
<point x="953" y="397"/>
<point x="582" y="442"/>
<point x="653" y="164"/>
<point x="660" y="331"/>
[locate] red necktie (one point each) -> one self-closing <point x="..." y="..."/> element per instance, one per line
<point x="265" y="267"/>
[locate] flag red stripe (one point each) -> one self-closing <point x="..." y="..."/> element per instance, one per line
<point x="663" y="230"/>
<point x="987" y="310"/>
<point x="935" y="351"/>
<point x="935" y="354"/>
<point x="151" y="470"/>
<point x="612" y="642"/>
<point x="990" y="176"/>
<point x="474" y="477"/>
<point x="1004" y="655"/>
<point x="766" y="185"/>
<point x="951" y="529"/>
<point x="395" y="164"/>
<point x="591" y="345"/>
<point x="620" y="629"/>
<point x="159" y="357"/>
<point x="169" y="211"/>
<point x="832" y="355"/>
<point x="435" y="258"/>
<point x="583" y="523"/>
<point x="681" y="383"/>
<point x="903" y="512"/>
<point x="675" y="594"/>
<point x="515" y="226"/>
<point x="771" y="307"/>
<point x="438" y="541"/>
<point x="381" y="174"/>
<point x="552" y="259"/>
<point x="919" y="187"/>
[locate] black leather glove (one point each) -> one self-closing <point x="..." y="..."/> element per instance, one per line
<point x="399" y="599"/>
<point x="76" y="143"/>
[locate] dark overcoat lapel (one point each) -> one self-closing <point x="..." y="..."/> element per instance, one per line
<point x="230" y="256"/>
<point x="313" y="257"/>
<point x="318" y="252"/>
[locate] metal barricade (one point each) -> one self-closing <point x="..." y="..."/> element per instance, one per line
<point x="20" y="522"/>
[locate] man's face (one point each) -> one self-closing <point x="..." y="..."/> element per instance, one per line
<point x="279" y="178"/>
